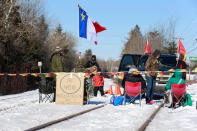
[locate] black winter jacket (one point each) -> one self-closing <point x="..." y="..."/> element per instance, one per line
<point x="92" y="63"/>
<point x="134" y="78"/>
<point x="182" y="65"/>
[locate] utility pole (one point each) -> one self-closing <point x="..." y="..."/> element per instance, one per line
<point x="178" y="38"/>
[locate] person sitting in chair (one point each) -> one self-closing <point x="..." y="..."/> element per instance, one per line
<point x="133" y="78"/>
<point x="177" y="78"/>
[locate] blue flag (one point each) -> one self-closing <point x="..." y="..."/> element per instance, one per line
<point x="83" y="18"/>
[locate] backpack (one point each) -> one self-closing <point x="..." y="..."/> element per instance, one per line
<point x="116" y="101"/>
<point x="189" y="101"/>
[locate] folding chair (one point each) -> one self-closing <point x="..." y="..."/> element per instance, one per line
<point x="179" y="94"/>
<point x="46" y="89"/>
<point x="89" y="88"/>
<point x="132" y="90"/>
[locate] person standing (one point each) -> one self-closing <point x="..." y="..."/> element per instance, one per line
<point x="181" y="64"/>
<point x="91" y="67"/>
<point x="56" y="65"/>
<point x="151" y="65"/>
<point x="92" y="63"/>
<point x="98" y="84"/>
<point x="56" y="60"/>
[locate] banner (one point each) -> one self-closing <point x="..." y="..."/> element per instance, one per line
<point x="69" y="88"/>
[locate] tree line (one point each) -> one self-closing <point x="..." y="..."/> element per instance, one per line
<point x="161" y="37"/>
<point x="26" y="37"/>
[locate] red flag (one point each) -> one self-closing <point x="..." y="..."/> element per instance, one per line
<point x="98" y="27"/>
<point x="147" y="49"/>
<point x="181" y="49"/>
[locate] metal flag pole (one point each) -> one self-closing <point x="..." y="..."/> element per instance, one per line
<point x="78" y="31"/>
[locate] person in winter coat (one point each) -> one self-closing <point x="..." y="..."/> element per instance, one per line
<point x="133" y="78"/>
<point x="56" y="65"/>
<point x="92" y="63"/>
<point x="177" y="78"/>
<point x="181" y="64"/>
<point x="91" y="67"/>
<point x="152" y="64"/>
<point x="98" y="84"/>
<point x="56" y="60"/>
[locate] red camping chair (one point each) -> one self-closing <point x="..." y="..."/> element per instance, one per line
<point x="132" y="90"/>
<point x="178" y="93"/>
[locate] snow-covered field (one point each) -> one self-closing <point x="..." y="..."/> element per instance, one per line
<point x="24" y="112"/>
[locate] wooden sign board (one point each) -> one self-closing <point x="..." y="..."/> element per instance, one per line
<point x="69" y="88"/>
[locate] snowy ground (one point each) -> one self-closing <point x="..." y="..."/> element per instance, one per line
<point x="180" y="119"/>
<point x="122" y="118"/>
<point x="24" y="112"/>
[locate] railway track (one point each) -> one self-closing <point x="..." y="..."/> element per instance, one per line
<point x="16" y="97"/>
<point x="48" y="124"/>
<point x="17" y="105"/>
<point x="63" y="119"/>
<point x="146" y="123"/>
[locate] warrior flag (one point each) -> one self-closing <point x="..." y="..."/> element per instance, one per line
<point x="147" y="49"/>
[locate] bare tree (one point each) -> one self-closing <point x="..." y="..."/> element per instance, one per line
<point x="162" y="37"/>
<point x="108" y="66"/>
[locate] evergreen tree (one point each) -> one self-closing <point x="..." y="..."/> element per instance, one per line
<point x="42" y="35"/>
<point x="59" y="29"/>
<point x="87" y="56"/>
<point x="134" y="43"/>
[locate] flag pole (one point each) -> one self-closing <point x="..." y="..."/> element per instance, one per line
<point x="177" y="50"/>
<point x="78" y="33"/>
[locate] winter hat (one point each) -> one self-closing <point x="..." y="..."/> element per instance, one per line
<point x="132" y="68"/>
<point x="180" y="56"/>
<point x="57" y="49"/>
<point x="94" y="56"/>
<point x="156" y="53"/>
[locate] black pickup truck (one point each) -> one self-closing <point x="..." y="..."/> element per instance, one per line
<point x="128" y="60"/>
<point x="168" y="60"/>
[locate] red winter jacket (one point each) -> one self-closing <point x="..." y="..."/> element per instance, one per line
<point x="98" y="80"/>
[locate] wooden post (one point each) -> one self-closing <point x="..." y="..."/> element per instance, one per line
<point x="196" y="105"/>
